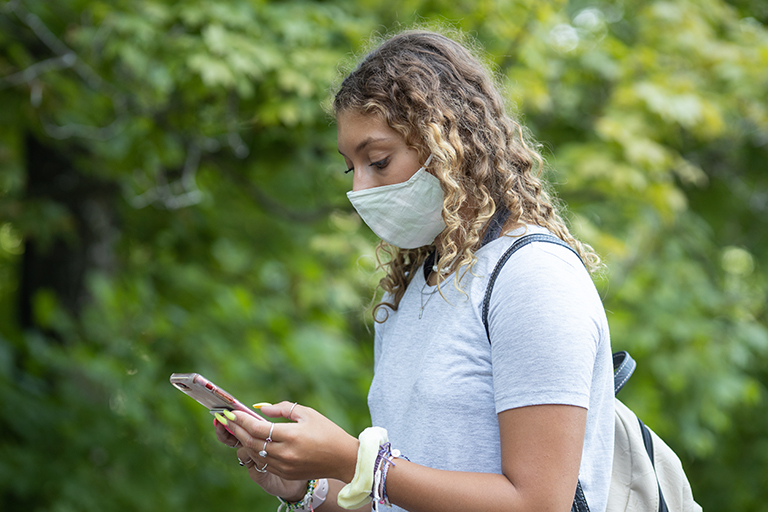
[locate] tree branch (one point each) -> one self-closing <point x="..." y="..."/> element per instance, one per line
<point x="274" y="207"/>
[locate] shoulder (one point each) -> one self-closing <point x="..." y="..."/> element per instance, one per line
<point x="543" y="286"/>
<point x="530" y="252"/>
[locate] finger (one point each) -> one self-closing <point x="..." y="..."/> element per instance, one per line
<point x="259" y="472"/>
<point x="218" y="420"/>
<point x="222" y="435"/>
<point x="244" y="458"/>
<point x="257" y="466"/>
<point x="254" y="439"/>
<point x="288" y="410"/>
<point x="258" y="429"/>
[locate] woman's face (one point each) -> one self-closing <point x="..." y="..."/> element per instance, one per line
<point x="376" y="153"/>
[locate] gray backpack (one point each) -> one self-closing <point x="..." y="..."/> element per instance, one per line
<point x="647" y="476"/>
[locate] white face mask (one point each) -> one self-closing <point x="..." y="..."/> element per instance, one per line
<point x="408" y="214"/>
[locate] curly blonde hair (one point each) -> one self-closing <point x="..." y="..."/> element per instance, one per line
<point x="440" y="97"/>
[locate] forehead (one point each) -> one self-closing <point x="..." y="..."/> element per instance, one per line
<point x="355" y="130"/>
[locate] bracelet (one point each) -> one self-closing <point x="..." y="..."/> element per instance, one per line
<point x="358" y="492"/>
<point x="317" y="491"/>
<point x="384" y="460"/>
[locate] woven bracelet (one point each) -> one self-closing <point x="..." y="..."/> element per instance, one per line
<point x="317" y="490"/>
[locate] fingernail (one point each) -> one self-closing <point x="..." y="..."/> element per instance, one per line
<point x="260" y="405"/>
<point x="221" y="419"/>
<point x="230" y="415"/>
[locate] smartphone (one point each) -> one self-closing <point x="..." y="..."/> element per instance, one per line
<point x="209" y="394"/>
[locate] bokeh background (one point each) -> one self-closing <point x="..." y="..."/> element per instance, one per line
<point x="171" y="200"/>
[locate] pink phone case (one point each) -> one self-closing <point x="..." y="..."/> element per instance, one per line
<point x="209" y="394"/>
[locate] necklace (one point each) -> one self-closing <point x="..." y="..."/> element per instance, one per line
<point x="429" y="297"/>
<point x="430" y="265"/>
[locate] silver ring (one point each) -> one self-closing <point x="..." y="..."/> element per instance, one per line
<point x="236" y="444"/>
<point x="263" y="452"/>
<point x="262" y="470"/>
<point x="269" y="437"/>
<point x="291" y="411"/>
<point x="245" y="463"/>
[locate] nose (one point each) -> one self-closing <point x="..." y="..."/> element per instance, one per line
<point x="360" y="180"/>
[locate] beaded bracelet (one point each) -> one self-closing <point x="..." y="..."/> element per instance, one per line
<point x="317" y="490"/>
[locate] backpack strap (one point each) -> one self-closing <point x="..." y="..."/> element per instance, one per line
<point x="648" y="442"/>
<point x="579" y="500"/>
<point x="623" y="367"/>
<point x="495" y="226"/>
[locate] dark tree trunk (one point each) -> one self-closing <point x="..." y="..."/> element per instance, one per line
<point x="60" y="264"/>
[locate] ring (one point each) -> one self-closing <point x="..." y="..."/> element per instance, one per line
<point x="236" y="444"/>
<point x="291" y="411"/>
<point x="245" y="463"/>
<point x="263" y="452"/>
<point x="262" y="470"/>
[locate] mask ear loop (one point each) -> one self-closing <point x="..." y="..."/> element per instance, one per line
<point x="429" y="159"/>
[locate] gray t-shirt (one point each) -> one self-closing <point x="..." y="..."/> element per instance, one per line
<point x="439" y="384"/>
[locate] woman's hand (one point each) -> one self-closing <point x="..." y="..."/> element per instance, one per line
<point x="290" y="490"/>
<point x="312" y="447"/>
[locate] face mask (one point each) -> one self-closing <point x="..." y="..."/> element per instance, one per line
<point x="407" y="215"/>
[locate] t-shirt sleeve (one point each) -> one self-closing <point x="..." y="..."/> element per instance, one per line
<point x="544" y="326"/>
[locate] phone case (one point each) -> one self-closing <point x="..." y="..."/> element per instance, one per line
<point x="209" y="394"/>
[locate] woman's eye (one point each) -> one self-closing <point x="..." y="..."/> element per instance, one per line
<point x="349" y="170"/>
<point x="381" y="163"/>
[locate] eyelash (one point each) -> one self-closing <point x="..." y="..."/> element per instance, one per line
<point x="380" y="165"/>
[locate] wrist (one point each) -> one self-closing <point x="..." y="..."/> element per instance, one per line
<point x="298" y="495"/>
<point x="357" y="492"/>
<point x="348" y="461"/>
<point x="315" y="495"/>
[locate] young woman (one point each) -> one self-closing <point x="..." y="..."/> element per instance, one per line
<point x="509" y="418"/>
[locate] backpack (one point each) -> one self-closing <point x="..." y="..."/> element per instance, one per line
<point x="647" y="475"/>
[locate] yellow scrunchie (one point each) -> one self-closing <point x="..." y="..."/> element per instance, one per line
<point x="358" y="492"/>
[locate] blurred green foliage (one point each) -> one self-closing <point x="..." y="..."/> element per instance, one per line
<point x="178" y="156"/>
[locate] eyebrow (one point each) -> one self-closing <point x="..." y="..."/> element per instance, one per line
<point x="366" y="142"/>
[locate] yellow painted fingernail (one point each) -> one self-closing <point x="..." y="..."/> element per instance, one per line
<point x="230" y="415"/>
<point x="260" y="405"/>
<point x="221" y="419"/>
